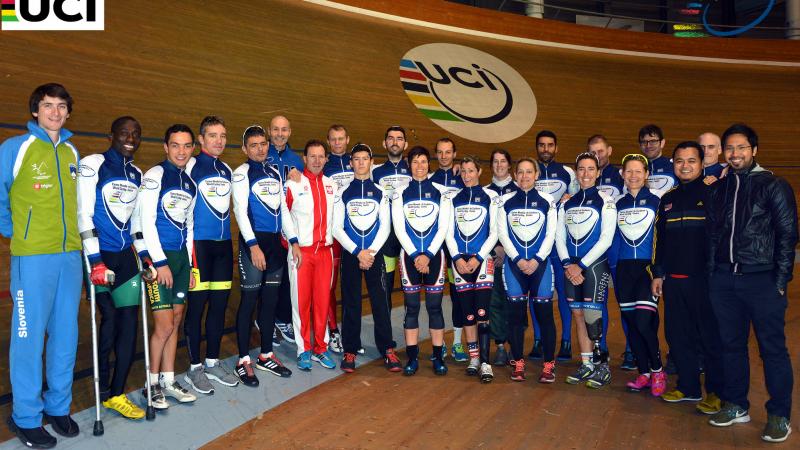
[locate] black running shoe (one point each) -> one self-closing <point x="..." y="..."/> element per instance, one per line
<point x="439" y="367"/>
<point x="64" y="425"/>
<point x="273" y="365"/>
<point x="565" y="352"/>
<point x="349" y="363"/>
<point x="246" y="374"/>
<point x="536" y="352"/>
<point x="32" y="437"/>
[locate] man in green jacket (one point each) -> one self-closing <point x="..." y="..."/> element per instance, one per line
<point x="38" y="212"/>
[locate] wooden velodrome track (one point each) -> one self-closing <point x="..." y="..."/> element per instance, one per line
<point x="319" y="65"/>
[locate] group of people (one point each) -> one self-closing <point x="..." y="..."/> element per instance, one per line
<point x="716" y="240"/>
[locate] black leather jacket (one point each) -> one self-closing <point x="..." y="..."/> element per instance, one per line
<point x="752" y="224"/>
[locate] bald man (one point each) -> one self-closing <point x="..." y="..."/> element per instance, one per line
<point x="712" y="148"/>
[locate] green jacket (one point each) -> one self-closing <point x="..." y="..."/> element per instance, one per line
<point x="38" y="193"/>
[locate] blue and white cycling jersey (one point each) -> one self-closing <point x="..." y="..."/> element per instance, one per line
<point x="391" y="176"/>
<point x="283" y="161"/>
<point x="473" y="227"/>
<point x="502" y="187"/>
<point x="446" y="179"/>
<point x="419" y="220"/>
<point x="166" y="208"/>
<point x="610" y="181"/>
<point x="662" y="175"/>
<point x="714" y="170"/>
<point x="586" y="227"/>
<point x="257" y="195"/>
<point x="339" y="170"/>
<point x="362" y="217"/>
<point x="108" y="185"/>
<point x="527" y="225"/>
<point x="212" y="219"/>
<point x="636" y="218"/>
<point x="556" y="179"/>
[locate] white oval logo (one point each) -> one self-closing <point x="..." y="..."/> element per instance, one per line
<point x="468" y="92"/>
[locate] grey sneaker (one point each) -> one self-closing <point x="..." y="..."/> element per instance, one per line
<point x="198" y="380"/>
<point x="777" y="429"/>
<point x="500" y="357"/>
<point x="221" y="375"/>
<point x="178" y="392"/>
<point x="473" y="366"/>
<point x="729" y="415"/>
<point x="582" y="374"/>
<point x="600" y="377"/>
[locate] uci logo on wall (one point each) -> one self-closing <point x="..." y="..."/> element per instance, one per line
<point x="55" y="15"/>
<point x="468" y="92"/>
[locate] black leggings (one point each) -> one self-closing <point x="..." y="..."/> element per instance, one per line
<point x="118" y="325"/>
<point x="214" y="262"/>
<point x="259" y="289"/>
<point x="640" y="309"/>
<point x="414" y="283"/>
<point x="117" y="330"/>
<point x="518" y="313"/>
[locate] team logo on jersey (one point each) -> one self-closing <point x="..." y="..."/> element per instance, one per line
<point x="642" y="202"/>
<point x="427" y="195"/>
<point x="468" y="92"/>
<point x="369" y="193"/>
<point x="73" y="171"/>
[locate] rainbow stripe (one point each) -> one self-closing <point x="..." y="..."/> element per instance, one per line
<point x="9" y="9"/>
<point x="416" y="87"/>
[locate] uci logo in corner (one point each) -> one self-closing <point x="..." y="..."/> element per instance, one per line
<point x="468" y="92"/>
<point x="55" y="15"/>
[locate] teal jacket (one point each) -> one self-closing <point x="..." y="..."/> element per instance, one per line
<point x="38" y="193"/>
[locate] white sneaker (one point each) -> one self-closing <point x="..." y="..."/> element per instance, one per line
<point x="335" y="342"/>
<point x="486" y="373"/>
<point x="178" y="392"/>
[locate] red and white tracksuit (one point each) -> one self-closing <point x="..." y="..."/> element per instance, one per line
<point x="307" y="217"/>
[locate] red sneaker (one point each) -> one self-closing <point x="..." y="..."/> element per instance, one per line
<point x="518" y="372"/>
<point x="641" y="382"/>
<point x="349" y="363"/>
<point x="548" y="372"/>
<point x="391" y="361"/>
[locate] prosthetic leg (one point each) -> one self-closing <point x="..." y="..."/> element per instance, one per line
<point x="594" y="328"/>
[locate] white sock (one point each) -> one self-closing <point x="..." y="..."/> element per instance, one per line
<point x="211" y="362"/>
<point x="153" y="378"/>
<point x="456" y="335"/>
<point x="244" y="359"/>
<point x="647" y="374"/>
<point x="167" y="378"/>
<point x="265" y="355"/>
<point x="195" y="366"/>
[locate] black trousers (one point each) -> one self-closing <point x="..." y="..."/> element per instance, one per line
<point x="738" y="302"/>
<point x="351" y="303"/>
<point x="689" y="323"/>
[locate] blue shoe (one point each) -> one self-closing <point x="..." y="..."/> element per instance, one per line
<point x="304" y="361"/>
<point x="439" y="367"/>
<point x="411" y="367"/>
<point x="324" y="360"/>
<point x="459" y="354"/>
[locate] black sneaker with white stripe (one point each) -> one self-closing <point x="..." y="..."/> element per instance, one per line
<point x="273" y="365"/>
<point x="246" y="374"/>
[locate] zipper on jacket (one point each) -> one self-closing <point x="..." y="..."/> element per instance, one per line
<point x="733" y="220"/>
<point x="28" y="224"/>
<point x="61" y="192"/>
<point x="421" y="239"/>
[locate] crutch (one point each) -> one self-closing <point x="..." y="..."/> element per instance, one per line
<point x="147" y="276"/>
<point x="98" y="423"/>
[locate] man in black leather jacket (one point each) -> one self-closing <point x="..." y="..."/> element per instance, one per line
<point x="752" y="226"/>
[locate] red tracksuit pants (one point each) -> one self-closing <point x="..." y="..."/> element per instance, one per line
<point x="311" y="297"/>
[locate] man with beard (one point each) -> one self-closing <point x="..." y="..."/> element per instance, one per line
<point x="558" y="181"/>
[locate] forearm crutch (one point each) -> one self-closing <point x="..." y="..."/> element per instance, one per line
<point x="98" y="423"/>
<point x="150" y="411"/>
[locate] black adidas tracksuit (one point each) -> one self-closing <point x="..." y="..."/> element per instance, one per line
<point x="679" y="258"/>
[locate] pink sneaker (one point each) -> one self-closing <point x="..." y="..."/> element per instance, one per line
<point x="641" y="382"/>
<point x="659" y="384"/>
